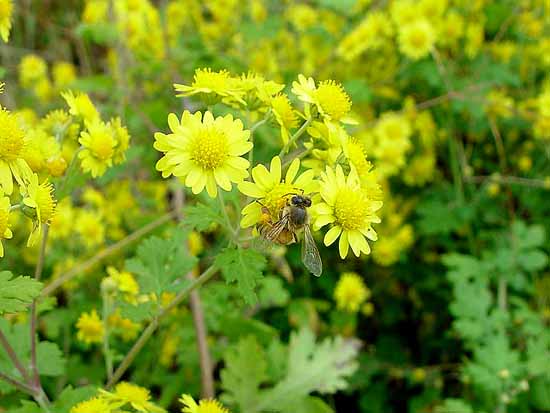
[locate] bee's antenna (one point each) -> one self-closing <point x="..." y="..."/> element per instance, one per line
<point x="258" y="201"/>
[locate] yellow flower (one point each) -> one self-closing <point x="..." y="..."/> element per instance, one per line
<point x="125" y="327"/>
<point x="5" y="231"/>
<point x="6" y="10"/>
<point x="39" y="148"/>
<point x="348" y="209"/>
<point x="256" y="89"/>
<point x="62" y="225"/>
<point x="81" y="106"/>
<point x="350" y="292"/>
<point x="204" y="151"/>
<point x="12" y="147"/>
<point x="31" y="69"/>
<point x="330" y="98"/>
<point x="285" y="115"/>
<point x="99" y="148"/>
<point x="39" y="203"/>
<point x="63" y="73"/>
<point x="272" y="191"/>
<point x="138" y="397"/>
<point x="122" y="138"/>
<point x="215" y="85"/>
<point x="95" y="405"/>
<point x="90" y="328"/>
<point x="126" y="283"/>
<point x="90" y="228"/>
<point x="204" y="406"/>
<point x="416" y="39"/>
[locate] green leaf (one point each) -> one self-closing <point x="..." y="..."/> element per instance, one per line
<point x="201" y="216"/>
<point x="71" y="396"/>
<point x="244" y="372"/>
<point x="272" y="293"/>
<point x="17" y="293"/>
<point x="540" y="393"/>
<point x="49" y="359"/>
<point x="309" y="404"/>
<point x="454" y="406"/>
<point x="160" y="261"/>
<point x="321" y="368"/>
<point x="533" y="260"/>
<point x="243" y="266"/>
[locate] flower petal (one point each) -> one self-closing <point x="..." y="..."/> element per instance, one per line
<point x="332" y="234"/>
<point x="343" y="245"/>
<point x="292" y="171"/>
<point x="251" y="189"/>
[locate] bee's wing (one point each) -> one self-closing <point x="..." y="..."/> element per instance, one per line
<point x="273" y="233"/>
<point x="310" y="253"/>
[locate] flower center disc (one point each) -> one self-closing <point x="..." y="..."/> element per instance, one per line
<point x="210" y="148"/>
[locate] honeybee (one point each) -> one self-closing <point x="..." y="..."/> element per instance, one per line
<point x="293" y="218"/>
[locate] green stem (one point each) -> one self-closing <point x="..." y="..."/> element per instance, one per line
<point x="34" y="315"/>
<point x="226" y="217"/>
<point x="295" y="137"/>
<point x="106" y="348"/>
<point x="19" y="385"/>
<point x="150" y="329"/>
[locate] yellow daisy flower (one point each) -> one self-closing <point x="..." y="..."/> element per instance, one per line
<point x="12" y="147"/>
<point x="348" y="209"/>
<point x="272" y="191"/>
<point x="31" y="69"/>
<point x="63" y="73"/>
<point x="125" y="282"/>
<point x="329" y="97"/>
<point x="215" y="85"/>
<point x="416" y="39"/>
<point x="6" y="10"/>
<point x="80" y="105"/>
<point x="204" y="406"/>
<point x="138" y="397"/>
<point x="39" y="204"/>
<point x="95" y="405"/>
<point x="285" y="115"/>
<point x="350" y="292"/>
<point x="5" y="231"/>
<point x="122" y="138"/>
<point x="90" y="328"/>
<point x="99" y="145"/>
<point x="203" y="151"/>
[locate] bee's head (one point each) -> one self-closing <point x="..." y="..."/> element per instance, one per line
<point x="300" y="201"/>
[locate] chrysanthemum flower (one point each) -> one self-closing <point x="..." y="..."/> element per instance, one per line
<point x="125" y="282"/>
<point x="90" y="328"/>
<point x="256" y="89"/>
<point x="40" y="205"/>
<point x="285" y="115"/>
<point x="204" y="406"/>
<point x="138" y="397"/>
<point x="5" y="231"/>
<point x="95" y="405"/>
<point x="99" y="144"/>
<point x="204" y="151"/>
<point x="6" y="10"/>
<point x="81" y="106"/>
<point x="416" y="39"/>
<point x="39" y="148"/>
<point x="122" y="138"/>
<point x="330" y="98"/>
<point x="348" y="209"/>
<point x="31" y="69"/>
<point x="90" y="228"/>
<point x="351" y="292"/>
<point x="12" y="146"/>
<point x="272" y="191"/>
<point x="215" y="85"/>
<point x="63" y="73"/>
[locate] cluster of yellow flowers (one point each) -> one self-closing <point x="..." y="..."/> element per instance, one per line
<point x="35" y="150"/>
<point x="207" y="152"/>
<point x="34" y="76"/>
<point x="128" y="397"/>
